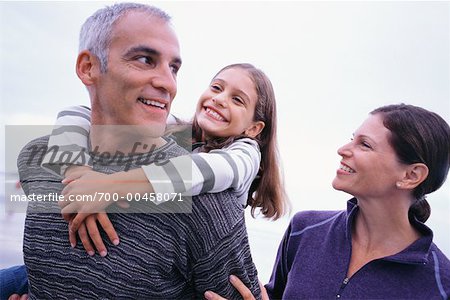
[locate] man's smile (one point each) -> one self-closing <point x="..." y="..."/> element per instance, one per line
<point x="155" y="103"/>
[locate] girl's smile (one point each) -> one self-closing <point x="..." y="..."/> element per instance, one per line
<point x="227" y="107"/>
<point x="214" y="114"/>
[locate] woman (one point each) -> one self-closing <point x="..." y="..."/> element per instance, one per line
<point x="380" y="247"/>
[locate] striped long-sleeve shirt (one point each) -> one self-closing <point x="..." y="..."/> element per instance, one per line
<point x="234" y="166"/>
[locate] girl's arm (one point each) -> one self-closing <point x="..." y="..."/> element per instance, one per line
<point x="233" y="167"/>
<point x="68" y="143"/>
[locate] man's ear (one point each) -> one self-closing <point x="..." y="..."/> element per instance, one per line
<point x="255" y="129"/>
<point x="415" y="175"/>
<point x="87" y="67"/>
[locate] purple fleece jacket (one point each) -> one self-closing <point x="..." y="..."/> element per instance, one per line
<point x="314" y="256"/>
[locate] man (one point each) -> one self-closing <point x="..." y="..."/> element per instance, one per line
<point x="129" y="57"/>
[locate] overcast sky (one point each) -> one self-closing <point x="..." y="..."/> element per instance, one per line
<point x="330" y="64"/>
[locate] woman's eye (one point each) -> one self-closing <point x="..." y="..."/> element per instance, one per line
<point x="366" y="145"/>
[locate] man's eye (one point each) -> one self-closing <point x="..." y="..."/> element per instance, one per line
<point x="175" y="69"/>
<point x="145" y="60"/>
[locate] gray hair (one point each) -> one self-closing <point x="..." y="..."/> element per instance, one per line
<point x="96" y="32"/>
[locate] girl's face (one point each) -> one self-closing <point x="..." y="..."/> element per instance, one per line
<point x="227" y="107"/>
<point x="369" y="167"/>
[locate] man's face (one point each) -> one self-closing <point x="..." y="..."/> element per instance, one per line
<point x="140" y="82"/>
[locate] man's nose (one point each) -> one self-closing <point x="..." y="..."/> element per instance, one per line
<point x="165" y="79"/>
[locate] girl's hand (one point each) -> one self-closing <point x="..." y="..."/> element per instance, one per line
<point x="84" y="215"/>
<point x="90" y="235"/>
<point x="76" y="170"/>
<point x="73" y="172"/>
<point x="241" y="288"/>
<point x="86" y="193"/>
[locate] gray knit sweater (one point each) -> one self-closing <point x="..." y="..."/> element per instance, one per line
<point x="160" y="256"/>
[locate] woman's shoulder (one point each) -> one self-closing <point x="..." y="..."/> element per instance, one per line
<point x="314" y="218"/>
<point x="441" y="268"/>
<point x="440" y="259"/>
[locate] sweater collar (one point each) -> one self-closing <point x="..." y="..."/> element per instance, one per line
<point x="416" y="253"/>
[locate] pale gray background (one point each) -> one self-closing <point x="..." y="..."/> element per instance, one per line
<point x="330" y="63"/>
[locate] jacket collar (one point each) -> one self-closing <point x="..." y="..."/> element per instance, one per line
<point x="416" y="253"/>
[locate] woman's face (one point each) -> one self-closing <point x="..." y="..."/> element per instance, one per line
<point x="227" y="106"/>
<point x="369" y="167"/>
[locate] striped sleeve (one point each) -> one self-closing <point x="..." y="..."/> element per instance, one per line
<point x="235" y="166"/>
<point x="68" y="142"/>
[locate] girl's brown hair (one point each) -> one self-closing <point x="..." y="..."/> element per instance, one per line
<point x="267" y="190"/>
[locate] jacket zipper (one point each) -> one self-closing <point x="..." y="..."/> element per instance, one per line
<point x="341" y="289"/>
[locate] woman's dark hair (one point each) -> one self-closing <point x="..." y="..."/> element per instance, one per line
<point x="419" y="136"/>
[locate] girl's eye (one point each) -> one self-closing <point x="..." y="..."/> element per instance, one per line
<point x="238" y="100"/>
<point x="216" y="87"/>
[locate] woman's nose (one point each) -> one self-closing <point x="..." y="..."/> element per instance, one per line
<point x="345" y="150"/>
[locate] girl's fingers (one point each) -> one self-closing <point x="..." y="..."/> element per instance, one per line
<point x="69" y="179"/>
<point x="123" y="204"/>
<point x="69" y="207"/>
<point x="72" y="238"/>
<point x="73" y="176"/>
<point x="67" y="217"/>
<point x="108" y="227"/>
<point x="84" y="237"/>
<point x="77" y="221"/>
<point x="64" y="202"/>
<point x="94" y="234"/>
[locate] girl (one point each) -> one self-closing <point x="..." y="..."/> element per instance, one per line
<point x="235" y="121"/>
